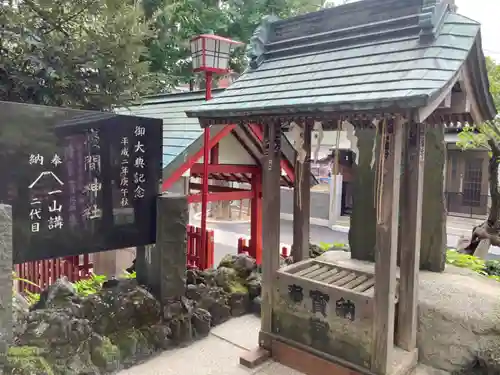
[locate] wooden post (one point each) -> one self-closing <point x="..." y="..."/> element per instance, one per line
<point x="271" y="170"/>
<point x="386" y="246"/>
<point x="302" y="198"/>
<point x="256" y="218"/>
<point x="411" y="225"/>
<point x="433" y="242"/>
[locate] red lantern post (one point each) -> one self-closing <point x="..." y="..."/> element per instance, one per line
<point x="210" y="54"/>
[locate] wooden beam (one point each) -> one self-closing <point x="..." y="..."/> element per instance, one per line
<point x="434" y="104"/>
<point x="302" y="198"/>
<point x="386" y="248"/>
<point x="271" y="175"/>
<point x="411" y="225"/>
<point x="467" y="86"/>
<point x="214" y="188"/>
<point x="284" y="163"/>
<point x="459" y="104"/>
<point x="446" y="103"/>
<point x="227" y="196"/>
<point x="216" y="134"/>
<point x="225" y="168"/>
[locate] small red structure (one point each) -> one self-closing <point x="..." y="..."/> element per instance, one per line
<point x="250" y="137"/>
<point x="195" y="257"/>
<point x="42" y="273"/>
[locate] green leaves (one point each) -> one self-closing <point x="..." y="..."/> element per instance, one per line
<point x="80" y="54"/>
<point x="494" y="78"/>
<point x="177" y="21"/>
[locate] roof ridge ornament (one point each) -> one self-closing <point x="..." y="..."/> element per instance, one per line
<point x="257" y="46"/>
<point x="432" y="17"/>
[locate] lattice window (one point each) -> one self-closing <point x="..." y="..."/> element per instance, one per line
<point x="472" y="182"/>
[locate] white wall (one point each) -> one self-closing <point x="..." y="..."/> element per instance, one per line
<point x="232" y="152"/>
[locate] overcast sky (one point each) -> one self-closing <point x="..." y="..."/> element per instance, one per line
<point x="487" y="12"/>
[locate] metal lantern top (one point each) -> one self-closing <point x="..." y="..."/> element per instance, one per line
<point x="211" y="53"/>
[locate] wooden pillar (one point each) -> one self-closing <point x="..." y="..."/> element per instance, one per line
<point x="271" y="170"/>
<point x="386" y="250"/>
<point x="362" y="235"/>
<point x="411" y="226"/>
<point x="433" y="243"/>
<point x="256" y="218"/>
<point x="302" y="197"/>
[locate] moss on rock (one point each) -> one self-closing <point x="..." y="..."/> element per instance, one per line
<point x="27" y="360"/>
<point x="132" y="344"/>
<point x="106" y="355"/>
<point x="228" y="279"/>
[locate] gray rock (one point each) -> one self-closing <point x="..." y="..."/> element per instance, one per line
<point x="181" y="330"/>
<point x="255" y="306"/>
<point x="254" y="284"/>
<point x="60" y="294"/>
<point x="201" y="321"/>
<point x="124" y="306"/>
<point x="243" y="264"/>
<point x="211" y="298"/>
<point x="458" y="318"/>
<point x="239" y="304"/>
<point x="159" y="335"/>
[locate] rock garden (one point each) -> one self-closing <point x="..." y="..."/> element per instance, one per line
<point x="100" y="326"/>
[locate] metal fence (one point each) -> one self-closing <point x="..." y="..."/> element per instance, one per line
<point x="467" y="204"/>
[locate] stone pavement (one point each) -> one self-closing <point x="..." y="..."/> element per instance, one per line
<point x="217" y="354"/>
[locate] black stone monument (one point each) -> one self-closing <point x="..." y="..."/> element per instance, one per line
<point x="78" y="181"/>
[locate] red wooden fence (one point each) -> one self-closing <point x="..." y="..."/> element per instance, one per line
<point x="45" y="272"/>
<point x="244" y="247"/>
<point x="75" y="268"/>
<point x="195" y="257"/>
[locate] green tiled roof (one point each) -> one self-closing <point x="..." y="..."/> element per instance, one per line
<point x="369" y="55"/>
<point x="179" y="132"/>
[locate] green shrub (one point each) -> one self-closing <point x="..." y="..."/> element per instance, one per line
<point x="490" y="268"/>
<point x="89" y="286"/>
<point x="465" y="261"/>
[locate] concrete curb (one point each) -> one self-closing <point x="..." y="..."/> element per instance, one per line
<point x="344" y="228"/>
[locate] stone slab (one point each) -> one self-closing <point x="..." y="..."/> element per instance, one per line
<point x="242" y="331"/>
<point x="210" y="356"/>
<point x="6" y="248"/>
<point x="171" y="245"/>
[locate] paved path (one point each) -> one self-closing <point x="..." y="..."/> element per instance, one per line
<point x="226" y="235"/>
<point x="218" y="354"/>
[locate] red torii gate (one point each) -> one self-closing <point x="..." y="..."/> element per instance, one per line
<point x="250" y="138"/>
